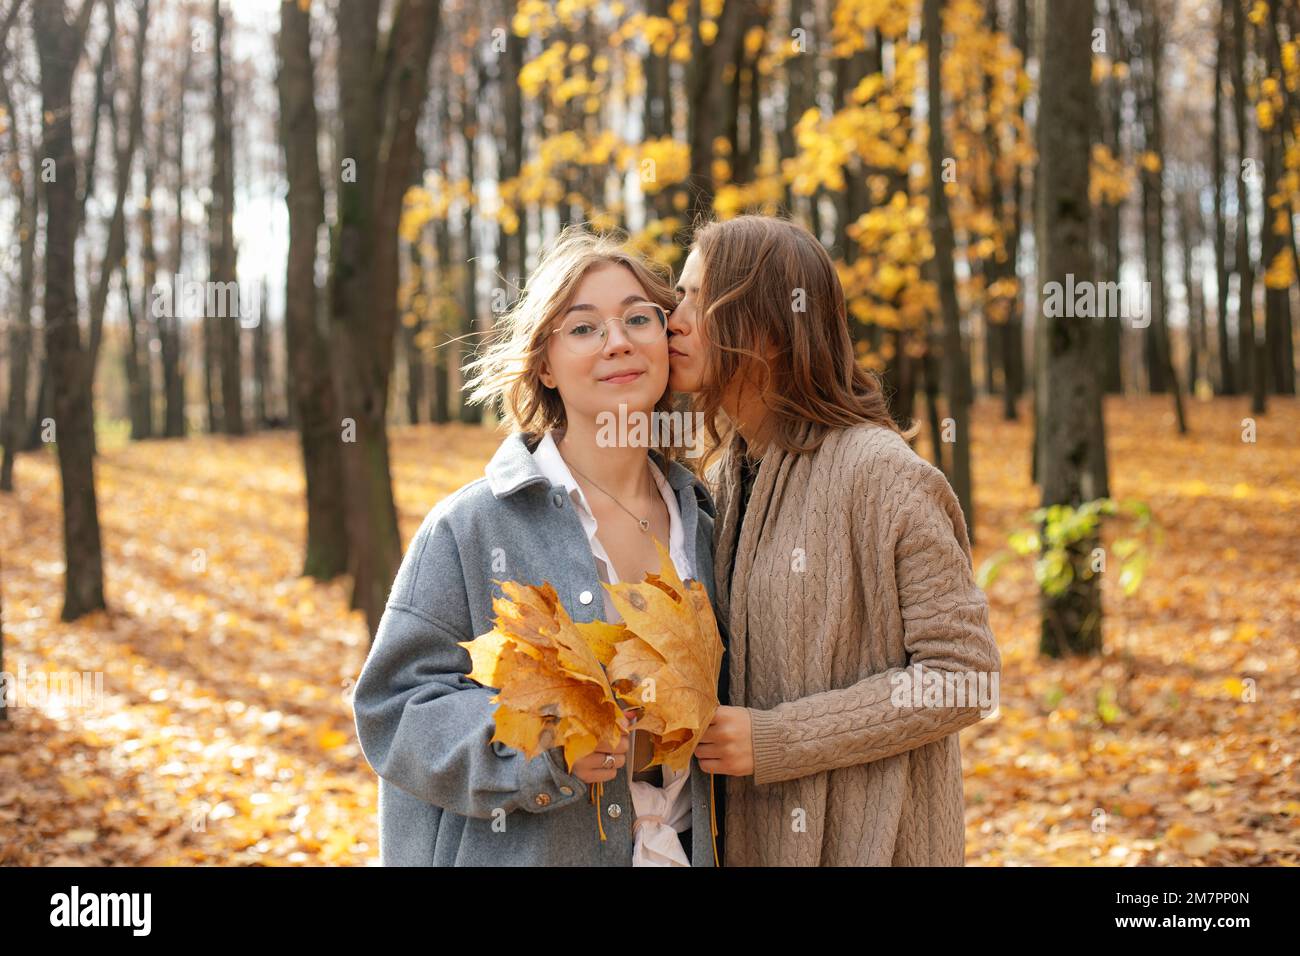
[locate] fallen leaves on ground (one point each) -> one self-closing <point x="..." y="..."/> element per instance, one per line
<point x="1177" y="746"/>
<point x="225" y="734"/>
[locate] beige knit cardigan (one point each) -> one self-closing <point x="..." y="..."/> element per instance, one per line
<point x="852" y="564"/>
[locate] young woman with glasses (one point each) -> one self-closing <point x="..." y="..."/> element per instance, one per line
<point x="557" y="504"/>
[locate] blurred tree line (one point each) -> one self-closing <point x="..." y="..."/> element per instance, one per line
<point x="396" y="165"/>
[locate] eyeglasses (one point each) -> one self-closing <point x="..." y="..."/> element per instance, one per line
<point x="643" y="323"/>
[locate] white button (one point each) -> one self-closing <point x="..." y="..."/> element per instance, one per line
<point x="585" y="597"/>
<point x="614" y="810"/>
<point x="567" y="791"/>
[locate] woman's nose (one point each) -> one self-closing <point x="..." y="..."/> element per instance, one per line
<point x="616" y="339"/>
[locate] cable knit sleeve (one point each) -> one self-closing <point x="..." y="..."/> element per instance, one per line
<point x="945" y="631"/>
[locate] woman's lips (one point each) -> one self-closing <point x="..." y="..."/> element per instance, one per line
<point x="623" y="379"/>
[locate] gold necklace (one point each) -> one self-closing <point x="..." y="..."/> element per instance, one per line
<point x="643" y="523"/>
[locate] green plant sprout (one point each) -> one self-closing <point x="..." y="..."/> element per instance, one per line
<point x="1052" y="533"/>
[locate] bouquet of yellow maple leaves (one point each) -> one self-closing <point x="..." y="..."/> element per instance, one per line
<point x="566" y="684"/>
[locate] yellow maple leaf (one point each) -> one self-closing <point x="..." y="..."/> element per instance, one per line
<point x="549" y="673"/>
<point x="669" y="663"/>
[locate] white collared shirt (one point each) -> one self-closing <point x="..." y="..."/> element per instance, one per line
<point x="661" y="812"/>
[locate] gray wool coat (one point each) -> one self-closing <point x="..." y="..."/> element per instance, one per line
<point x="447" y="795"/>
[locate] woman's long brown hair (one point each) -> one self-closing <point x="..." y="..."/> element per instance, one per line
<point x="769" y="282"/>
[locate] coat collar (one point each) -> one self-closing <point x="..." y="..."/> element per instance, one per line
<point x="513" y="468"/>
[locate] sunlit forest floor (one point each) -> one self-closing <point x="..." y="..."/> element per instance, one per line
<point x="224" y="735"/>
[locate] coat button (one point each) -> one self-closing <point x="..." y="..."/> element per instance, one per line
<point x="542" y="799"/>
<point x="557" y="499"/>
<point x="567" y="791"/>
<point x="585" y="597"/>
<point x="614" y="810"/>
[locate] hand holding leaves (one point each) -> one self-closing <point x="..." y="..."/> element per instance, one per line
<point x="561" y="682"/>
<point x="553" y="688"/>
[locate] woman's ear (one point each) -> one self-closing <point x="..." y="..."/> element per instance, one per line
<point x="544" y="373"/>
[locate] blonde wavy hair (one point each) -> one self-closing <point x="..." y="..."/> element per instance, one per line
<point x="510" y="368"/>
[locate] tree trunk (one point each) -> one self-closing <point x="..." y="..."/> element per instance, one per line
<point x="1290" y="118"/>
<point x="136" y="342"/>
<point x="261" y="365"/>
<point x="169" y="325"/>
<point x="221" y="232"/>
<point x="115" y="249"/>
<point x="706" y="94"/>
<point x="800" y="83"/>
<point x="930" y="385"/>
<point x="142" y="394"/>
<point x="440" y="399"/>
<point x="326" y="551"/>
<point x="379" y="101"/>
<point x="657" y="116"/>
<point x="1250" y="353"/>
<point x="470" y="325"/>
<point x="414" y="323"/>
<point x="956" y="371"/>
<point x="1227" y="383"/>
<point x="852" y="202"/>
<point x="1071" y="450"/>
<point x="20" y="332"/>
<point x="1012" y="347"/>
<point x="510" y="242"/>
<point x="1160" y="365"/>
<point x="1002" y="265"/>
<point x="1192" y="285"/>
<point x="44" y="405"/>
<point x="1279" y="347"/>
<point x="1113" y="325"/>
<point x="102" y="91"/>
<point x="59" y="45"/>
